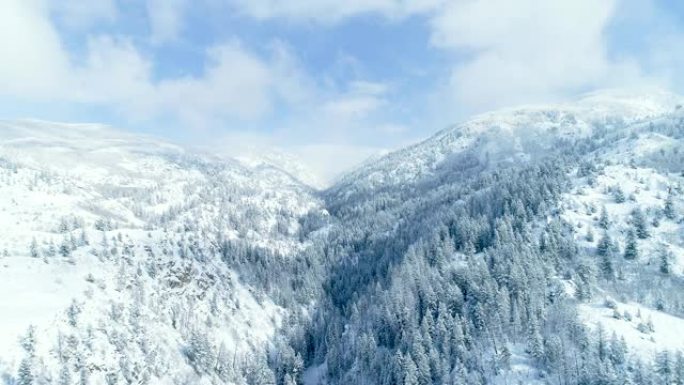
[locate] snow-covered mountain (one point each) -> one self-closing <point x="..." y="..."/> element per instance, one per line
<point x="520" y="188"/>
<point x="513" y="135"/>
<point x="536" y="245"/>
<point x="100" y="227"/>
<point x="256" y="157"/>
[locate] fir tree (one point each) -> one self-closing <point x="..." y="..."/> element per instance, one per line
<point x="64" y="375"/>
<point x="631" y="250"/>
<point x="589" y="237"/>
<point x="28" y="342"/>
<point x="605" y="245"/>
<point x="669" y="209"/>
<point x="33" y="250"/>
<point x="639" y="223"/>
<point x="663" y="366"/>
<point x="664" y="258"/>
<point x="604" y="221"/>
<point x="25" y="373"/>
<point x="410" y="371"/>
<point x="618" y="194"/>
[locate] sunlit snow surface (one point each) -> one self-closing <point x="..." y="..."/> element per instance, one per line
<point x="147" y="192"/>
<point x="513" y="135"/>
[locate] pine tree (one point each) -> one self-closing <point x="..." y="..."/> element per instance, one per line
<point x="678" y="373"/>
<point x="585" y="278"/>
<point x="639" y="223"/>
<point x="669" y="209"/>
<point x="535" y="342"/>
<point x="288" y="380"/>
<point x="25" y="374"/>
<point x="605" y="244"/>
<point x="28" y="342"/>
<point x="35" y="253"/>
<point x="589" y="237"/>
<point x="631" y="250"/>
<point x="410" y="371"/>
<point x="83" y="375"/>
<point x="64" y="375"/>
<point x="617" y="350"/>
<point x="421" y="360"/>
<point x="200" y="352"/>
<point x="73" y="312"/>
<point x="664" y="257"/>
<point x="663" y="366"/>
<point x="65" y="248"/>
<point x="601" y="343"/>
<point x="605" y="252"/>
<point x="618" y="194"/>
<point x="604" y="221"/>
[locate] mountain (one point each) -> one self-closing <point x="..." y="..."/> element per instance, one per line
<point x="512" y="135"/>
<point x="494" y="228"/>
<point x="115" y="246"/>
<point x="535" y="245"/>
<point x="256" y="157"/>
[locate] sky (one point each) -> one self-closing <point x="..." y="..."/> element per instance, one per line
<point x="331" y="81"/>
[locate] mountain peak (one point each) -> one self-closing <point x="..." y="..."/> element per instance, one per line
<point x="518" y="133"/>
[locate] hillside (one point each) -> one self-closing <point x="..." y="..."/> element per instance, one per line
<point x="117" y="243"/>
<point x="535" y="245"/>
<point x="493" y="227"/>
<point x="511" y="136"/>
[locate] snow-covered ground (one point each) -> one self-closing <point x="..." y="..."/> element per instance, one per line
<point x="514" y="134"/>
<point x="643" y="188"/>
<point x="98" y="227"/>
<point x="109" y="247"/>
<point x="640" y="168"/>
<point x="633" y="322"/>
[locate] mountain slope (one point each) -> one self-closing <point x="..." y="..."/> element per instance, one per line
<point x="537" y="245"/>
<point x="511" y="136"/>
<point x="483" y="229"/>
<point x="116" y="244"/>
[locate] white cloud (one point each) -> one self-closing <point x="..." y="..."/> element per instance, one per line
<point x="331" y="11"/>
<point x="113" y="72"/>
<point x="504" y="52"/>
<point x="529" y="50"/>
<point x="81" y="15"/>
<point x="235" y="82"/>
<point x="369" y="88"/>
<point x="33" y="62"/>
<point x="329" y="161"/>
<point x="352" y="107"/>
<point x="165" y="19"/>
<point x="235" y="89"/>
<point x="360" y="101"/>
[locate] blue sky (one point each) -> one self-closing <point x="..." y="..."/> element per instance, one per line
<point x="333" y="81"/>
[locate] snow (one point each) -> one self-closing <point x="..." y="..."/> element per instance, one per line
<point x="649" y="189"/>
<point x="645" y="181"/>
<point x="34" y="293"/>
<point x="515" y="134"/>
<point x="256" y="157"/>
<point x="667" y="334"/>
<point x="522" y="369"/>
<point x="60" y="182"/>
<point x="125" y="203"/>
